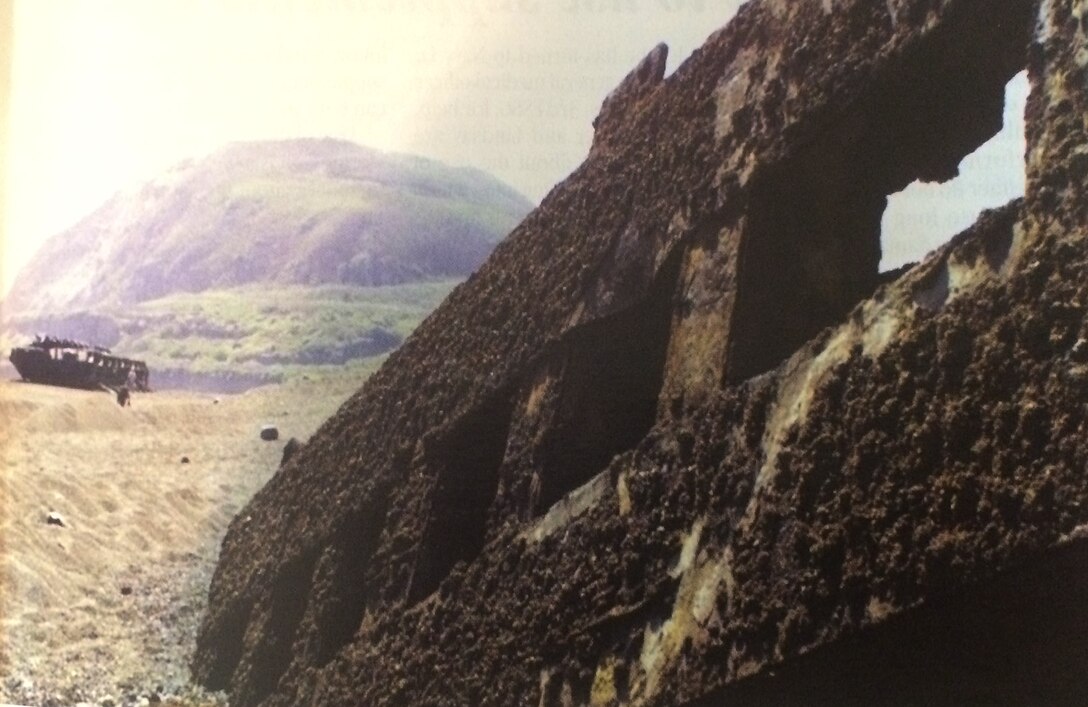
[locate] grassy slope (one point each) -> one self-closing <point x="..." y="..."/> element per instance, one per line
<point x="271" y="333"/>
<point x="274" y="330"/>
<point x="302" y="212"/>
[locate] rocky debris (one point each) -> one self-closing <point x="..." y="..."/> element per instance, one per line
<point x="290" y="449"/>
<point x="31" y="696"/>
<point x="640" y="83"/>
<point x="185" y="460"/>
<point x="270" y="433"/>
<point x="167" y="607"/>
<point x="54" y="518"/>
<point x="678" y="441"/>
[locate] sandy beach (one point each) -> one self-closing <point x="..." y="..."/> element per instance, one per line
<point x="103" y="608"/>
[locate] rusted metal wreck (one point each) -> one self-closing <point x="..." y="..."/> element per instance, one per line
<point x="73" y="364"/>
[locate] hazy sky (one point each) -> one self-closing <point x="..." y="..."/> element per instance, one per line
<point x="107" y="93"/>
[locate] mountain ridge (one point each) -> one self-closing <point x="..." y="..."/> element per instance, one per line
<point x="303" y="211"/>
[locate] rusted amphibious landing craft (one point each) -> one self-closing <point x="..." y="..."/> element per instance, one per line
<point x="73" y="364"/>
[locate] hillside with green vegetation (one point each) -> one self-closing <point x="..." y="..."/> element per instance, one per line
<point x="295" y="212"/>
<point x="233" y="339"/>
<point x="264" y="261"/>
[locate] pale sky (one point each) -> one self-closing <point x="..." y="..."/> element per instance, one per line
<point x="108" y="93"/>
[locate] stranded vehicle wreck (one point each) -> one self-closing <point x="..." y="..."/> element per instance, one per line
<point x="73" y="364"/>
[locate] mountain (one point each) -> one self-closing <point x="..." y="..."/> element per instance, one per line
<point x="293" y="212"/>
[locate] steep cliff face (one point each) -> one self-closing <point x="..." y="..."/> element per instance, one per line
<point x="676" y="442"/>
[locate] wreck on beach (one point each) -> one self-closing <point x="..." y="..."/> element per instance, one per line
<point x="73" y="364"/>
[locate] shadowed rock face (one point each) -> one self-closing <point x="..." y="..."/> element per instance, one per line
<point x="674" y="442"/>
